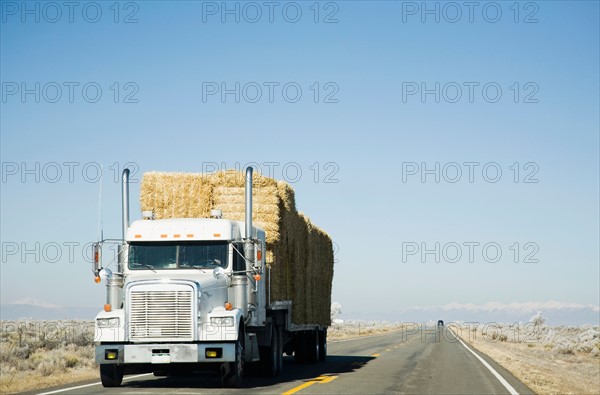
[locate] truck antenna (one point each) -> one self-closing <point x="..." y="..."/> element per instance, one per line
<point x="100" y="219"/>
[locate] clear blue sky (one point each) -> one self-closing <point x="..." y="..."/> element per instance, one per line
<point x="370" y="56"/>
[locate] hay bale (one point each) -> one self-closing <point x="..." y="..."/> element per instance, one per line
<point x="231" y="201"/>
<point x="300" y="254"/>
<point x="176" y="195"/>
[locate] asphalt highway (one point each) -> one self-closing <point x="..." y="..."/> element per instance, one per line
<point x="427" y="361"/>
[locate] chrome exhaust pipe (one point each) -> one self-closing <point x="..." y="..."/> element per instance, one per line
<point x="239" y="282"/>
<point x="114" y="281"/>
<point x="249" y="171"/>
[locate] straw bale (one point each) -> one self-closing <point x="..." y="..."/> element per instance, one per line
<point x="176" y="195"/>
<point x="264" y="195"/>
<point x="286" y="194"/>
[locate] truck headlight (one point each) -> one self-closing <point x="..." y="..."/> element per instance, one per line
<point x="108" y="322"/>
<point x="221" y="321"/>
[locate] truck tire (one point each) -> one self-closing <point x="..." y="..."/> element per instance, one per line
<point x="323" y="345"/>
<point x="313" y="346"/>
<point x="300" y="352"/>
<point x="234" y="372"/>
<point x="111" y="375"/>
<point x="270" y="355"/>
<point x="280" y="350"/>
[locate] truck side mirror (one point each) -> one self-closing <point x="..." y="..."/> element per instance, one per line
<point x="97" y="256"/>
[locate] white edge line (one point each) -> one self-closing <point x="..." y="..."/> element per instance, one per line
<point x="487" y="365"/>
<point x="90" y="385"/>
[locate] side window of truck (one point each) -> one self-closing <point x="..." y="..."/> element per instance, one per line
<point x="239" y="263"/>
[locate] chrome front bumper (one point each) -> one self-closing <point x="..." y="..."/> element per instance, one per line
<point x="164" y="353"/>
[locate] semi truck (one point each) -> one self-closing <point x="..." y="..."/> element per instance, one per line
<point x="191" y="294"/>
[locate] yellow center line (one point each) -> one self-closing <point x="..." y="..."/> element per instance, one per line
<point x="320" y="380"/>
<point x="328" y="379"/>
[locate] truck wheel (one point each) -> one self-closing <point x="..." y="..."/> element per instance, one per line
<point x="111" y="375"/>
<point x="232" y="377"/>
<point x="300" y="352"/>
<point x="268" y="355"/>
<point x="313" y="346"/>
<point x="279" y="351"/>
<point x="323" y="345"/>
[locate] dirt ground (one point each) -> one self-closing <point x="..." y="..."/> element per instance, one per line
<point x="541" y="367"/>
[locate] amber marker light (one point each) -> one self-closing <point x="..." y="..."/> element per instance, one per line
<point x="228" y="306"/>
<point x="97" y="279"/>
<point x="107" y="308"/>
<point x="257" y="277"/>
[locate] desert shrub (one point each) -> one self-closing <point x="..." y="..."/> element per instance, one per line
<point x="538" y="319"/>
<point x="6" y="352"/>
<point x="550" y="337"/>
<point x="46" y="368"/>
<point x="565" y="348"/>
<point x="584" y="348"/>
<point x="71" y="361"/>
<point x="22" y="352"/>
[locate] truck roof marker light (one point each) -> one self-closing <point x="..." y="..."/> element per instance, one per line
<point x="216" y="234"/>
<point x="163" y="236"/>
<point x="190" y="235"/>
<point x="257" y="277"/>
<point x="177" y="235"/>
<point x="107" y="308"/>
<point x="228" y="306"/>
<point x="138" y="236"/>
<point x="97" y="279"/>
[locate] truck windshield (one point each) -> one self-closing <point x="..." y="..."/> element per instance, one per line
<point x="177" y="255"/>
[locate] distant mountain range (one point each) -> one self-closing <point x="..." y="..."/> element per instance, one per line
<point x="555" y="313"/>
<point x="34" y="309"/>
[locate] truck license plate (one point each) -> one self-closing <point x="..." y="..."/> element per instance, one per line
<point x="161" y="358"/>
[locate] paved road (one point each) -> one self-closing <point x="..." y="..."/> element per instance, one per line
<point x="430" y="361"/>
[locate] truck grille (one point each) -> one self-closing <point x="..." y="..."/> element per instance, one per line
<point x="160" y="315"/>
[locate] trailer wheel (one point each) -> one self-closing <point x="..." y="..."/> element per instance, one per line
<point x="313" y="346"/>
<point x="111" y="375"/>
<point x="300" y="352"/>
<point x="323" y="345"/>
<point x="234" y="371"/>
<point x="279" y="350"/>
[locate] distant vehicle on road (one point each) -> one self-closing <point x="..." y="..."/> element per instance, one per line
<point x="440" y="323"/>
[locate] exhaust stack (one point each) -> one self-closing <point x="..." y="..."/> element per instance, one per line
<point x="249" y="171"/>
<point x="239" y="281"/>
<point x="114" y="281"/>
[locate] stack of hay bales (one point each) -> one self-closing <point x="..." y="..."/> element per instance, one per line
<point x="300" y="254"/>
